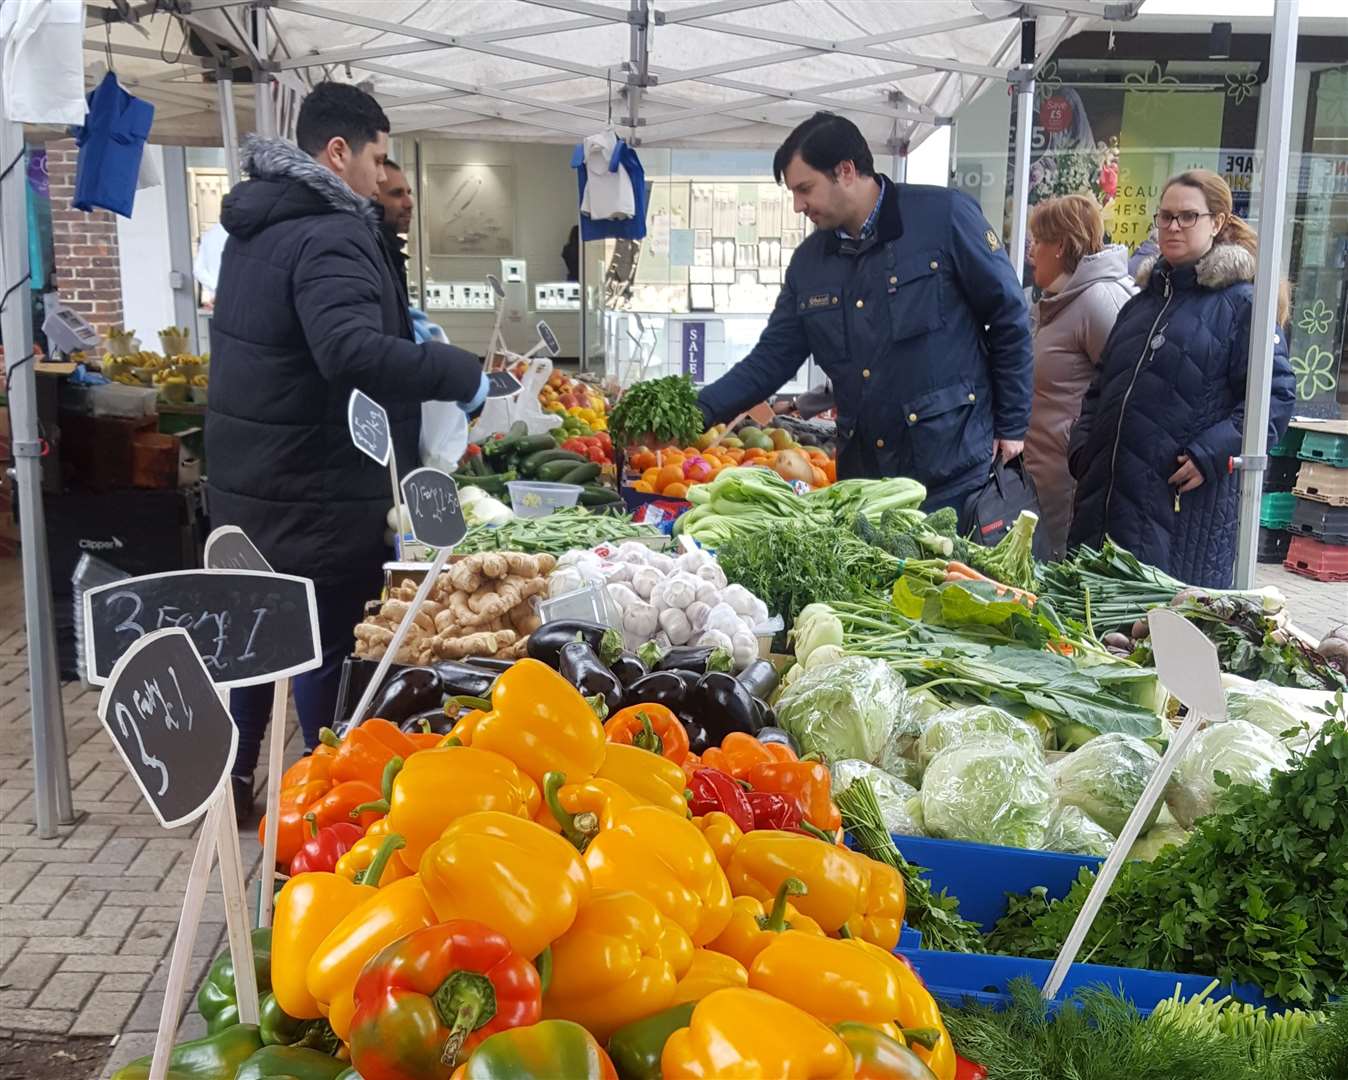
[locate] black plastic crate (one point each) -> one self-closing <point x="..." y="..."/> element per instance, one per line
<point x="1281" y="474"/>
<point x="1328" y="524"/>
<point x="1273" y="545"/>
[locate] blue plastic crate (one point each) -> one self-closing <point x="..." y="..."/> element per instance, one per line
<point x="980" y="875"/>
<point x="955" y="977"/>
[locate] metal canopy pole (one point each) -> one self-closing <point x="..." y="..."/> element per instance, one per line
<point x="229" y="123"/>
<point x="51" y="770"/>
<point x="264" y="115"/>
<point x="1263" y="329"/>
<point x="1023" y="80"/>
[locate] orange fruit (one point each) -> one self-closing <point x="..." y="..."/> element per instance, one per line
<point x="643" y="487"/>
<point x="650" y="477"/>
<point x="818" y="478"/>
<point x="676" y="491"/>
<point x="669" y="474"/>
<point x="642" y="460"/>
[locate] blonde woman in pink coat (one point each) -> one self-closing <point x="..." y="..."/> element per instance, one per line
<point x="1084" y="284"/>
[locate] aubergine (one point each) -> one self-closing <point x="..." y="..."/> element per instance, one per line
<point x="487" y="663"/>
<point x="432" y="721"/>
<point x="770" y="733"/>
<point x="628" y="668"/>
<point x="658" y="688"/>
<point x="547" y="641"/>
<point x="697" y="734"/>
<point x="763" y="714"/>
<point x="581" y="667"/>
<point x="698" y="658"/>
<point x="463" y="680"/>
<point x="412" y="690"/>
<point x="760" y="678"/>
<point x="722" y="705"/>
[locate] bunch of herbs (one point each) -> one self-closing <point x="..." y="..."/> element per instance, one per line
<point x="661" y="409"/>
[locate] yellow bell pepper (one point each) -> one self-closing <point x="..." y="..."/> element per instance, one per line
<point x="391" y="913"/>
<point x="881" y="916"/>
<point x="619" y="962"/>
<point x="356" y="862"/>
<point x="581" y="811"/>
<point x="650" y="777"/>
<point x="754" y="926"/>
<point x="667" y="860"/>
<point x="722" y="834"/>
<point x="541" y="723"/>
<point x="831" y="980"/>
<point x="509" y="873"/>
<point x="307" y="908"/>
<point x="917" y="1011"/>
<point x="709" y="972"/>
<point x="739" y="1034"/>
<point x="435" y="787"/>
<point x="836" y="880"/>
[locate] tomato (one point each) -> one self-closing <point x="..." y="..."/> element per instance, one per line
<point x="596" y="455"/>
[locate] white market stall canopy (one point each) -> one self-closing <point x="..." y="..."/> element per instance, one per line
<point x="726" y="73"/>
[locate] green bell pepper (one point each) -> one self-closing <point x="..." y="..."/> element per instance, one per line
<point x="279" y="1028"/>
<point x="544" y="1051"/>
<point x="216" y="1057"/>
<point x="291" y="1063"/>
<point x="635" y="1048"/>
<point x="216" y="999"/>
<point x="348" y="1074"/>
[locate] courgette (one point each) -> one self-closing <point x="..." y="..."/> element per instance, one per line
<point x="537" y="460"/>
<point x="533" y="444"/>
<point x="598" y="495"/>
<point x="518" y="433"/>
<point x="552" y="471"/>
<point x="493" y="484"/>
<point x="581" y="474"/>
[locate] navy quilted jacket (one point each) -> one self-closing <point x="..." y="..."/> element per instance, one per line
<point x="1171" y="382"/>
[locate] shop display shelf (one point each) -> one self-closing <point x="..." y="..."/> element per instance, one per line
<point x="981" y="875"/>
<point x="1275" y="509"/>
<point x="1326" y="446"/>
<point x="1328" y="524"/>
<point x="1312" y="559"/>
<point x="1273" y="545"/>
<point x="1281" y="474"/>
<point x="1323" y="483"/>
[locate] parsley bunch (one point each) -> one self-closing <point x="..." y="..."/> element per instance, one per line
<point x="664" y="408"/>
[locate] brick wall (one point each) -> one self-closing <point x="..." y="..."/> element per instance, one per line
<point x="87" y="270"/>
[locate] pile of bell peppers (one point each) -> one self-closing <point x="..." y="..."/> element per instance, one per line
<point x="543" y="894"/>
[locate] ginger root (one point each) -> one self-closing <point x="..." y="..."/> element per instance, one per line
<point x="482" y="643"/>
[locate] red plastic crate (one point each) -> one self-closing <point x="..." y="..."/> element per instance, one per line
<point x="1312" y="559"/>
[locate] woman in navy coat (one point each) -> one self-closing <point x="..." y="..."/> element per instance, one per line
<point x="1164" y="415"/>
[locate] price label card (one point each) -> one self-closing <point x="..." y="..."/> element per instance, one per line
<point x="432" y="501"/>
<point x="249" y="627"/>
<point x="161" y="708"/>
<point x="369" y="427"/>
<point x="502" y="384"/>
<point x="228" y="548"/>
<point x="549" y="338"/>
<point x="496" y="285"/>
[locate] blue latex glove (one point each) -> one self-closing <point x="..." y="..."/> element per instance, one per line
<point x="423" y="329"/>
<point x="479" y="399"/>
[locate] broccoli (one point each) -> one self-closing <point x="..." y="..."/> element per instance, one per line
<point x="944" y="522"/>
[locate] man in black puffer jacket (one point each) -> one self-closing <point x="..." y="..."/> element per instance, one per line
<point x="307" y="310"/>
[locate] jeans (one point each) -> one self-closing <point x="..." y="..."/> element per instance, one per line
<point x="340" y="606"/>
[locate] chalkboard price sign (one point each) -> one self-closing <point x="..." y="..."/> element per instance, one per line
<point x="369" y="427"/>
<point x="228" y="548"/>
<point x="496" y="286"/>
<point x="168" y="723"/>
<point x="432" y="501"/>
<point x="549" y="338"/>
<point x="502" y="384"/>
<point x="249" y="627"/>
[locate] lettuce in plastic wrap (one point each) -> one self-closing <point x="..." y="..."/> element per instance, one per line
<point x="1263" y="705"/>
<point x="854" y="708"/>
<point x="1105" y="779"/>
<point x="1238" y="750"/>
<point x="1156" y="839"/>
<point x="991" y="791"/>
<point x="1070" y="830"/>
<point x="974" y="723"/>
<point x="895" y="796"/>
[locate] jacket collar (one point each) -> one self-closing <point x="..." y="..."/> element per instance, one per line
<point x="887" y="226"/>
<point x="277" y="159"/>
<point x="1222" y="266"/>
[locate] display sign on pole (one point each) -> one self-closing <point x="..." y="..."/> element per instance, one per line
<point x="695" y="350"/>
<point x="369" y="427"/>
<point x="228" y="548"/>
<point x="502" y="384"/>
<point x="550" y="342"/>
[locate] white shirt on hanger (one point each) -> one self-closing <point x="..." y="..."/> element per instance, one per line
<point x="608" y="194"/>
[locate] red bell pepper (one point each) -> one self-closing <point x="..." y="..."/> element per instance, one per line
<point x="807" y="782"/>
<point x="424" y="1002"/>
<point x="773" y="811"/>
<point x="713" y="790"/>
<point x="968" y="1070"/>
<point x="324" y="846"/>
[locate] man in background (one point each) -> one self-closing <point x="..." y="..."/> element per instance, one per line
<point x="395" y="201"/>
<point x="307" y="310"/>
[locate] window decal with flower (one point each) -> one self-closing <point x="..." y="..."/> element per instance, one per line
<point x="1241" y="85"/>
<point x="1316" y="318"/>
<point x="1314" y="372"/>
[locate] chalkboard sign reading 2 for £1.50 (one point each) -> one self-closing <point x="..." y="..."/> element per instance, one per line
<point x="249" y="627"/>
<point x="167" y="721"/>
<point x="432" y="501"/>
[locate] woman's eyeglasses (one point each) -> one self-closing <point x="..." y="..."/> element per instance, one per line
<point x="1187" y="218"/>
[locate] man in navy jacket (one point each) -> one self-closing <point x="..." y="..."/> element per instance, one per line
<point x="906" y="299"/>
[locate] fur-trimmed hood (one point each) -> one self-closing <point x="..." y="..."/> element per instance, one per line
<point x="1224" y="265"/>
<point x="286" y="183"/>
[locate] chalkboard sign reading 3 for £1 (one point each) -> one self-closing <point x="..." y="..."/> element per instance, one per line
<point x="168" y="723"/>
<point x="368" y="423"/>
<point x="249" y="627"/>
<point x="432" y="501"/>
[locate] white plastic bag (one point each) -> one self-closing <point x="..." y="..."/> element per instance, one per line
<point x="444" y="434"/>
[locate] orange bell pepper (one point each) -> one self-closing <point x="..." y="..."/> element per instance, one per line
<point x="364" y="751"/>
<point x="691" y="764"/>
<point x="652" y="727"/>
<point x="315" y="765"/>
<point x="328" y="803"/>
<point x="754" y="926"/>
<point x="740" y="752"/>
<point x="805" y="781"/>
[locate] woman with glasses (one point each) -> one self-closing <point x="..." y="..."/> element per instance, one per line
<point x="1085" y="283"/>
<point x="1165" y="414"/>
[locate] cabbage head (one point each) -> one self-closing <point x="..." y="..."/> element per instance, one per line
<point x="991" y="791"/>
<point x="1105" y="779"/>
<point x="893" y="794"/>
<point x="1264" y="706"/>
<point x="1243" y="752"/>
<point x="1156" y="839"/>
<point x="975" y="723"/>
<point x="849" y="709"/>
<point x="1071" y="831"/>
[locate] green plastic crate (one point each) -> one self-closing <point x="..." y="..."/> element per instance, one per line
<point x="1322" y="446"/>
<point x="1276" y="508"/>
<point x="1290" y="443"/>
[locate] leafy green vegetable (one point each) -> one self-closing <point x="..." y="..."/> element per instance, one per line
<point x="1258" y="893"/>
<point x="1011" y="562"/>
<point x="851" y="709"/>
<point x="991" y="791"/>
<point x="966" y="604"/>
<point x="1219" y="755"/>
<point x="664" y="408"/>
<point x="1105" y="778"/>
<point x="955" y="727"/>
<point x="1072" y="831"/>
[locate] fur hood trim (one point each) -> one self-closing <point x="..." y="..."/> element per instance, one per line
<point x="1222" y="266"/>
<point x="273" y="159"/>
